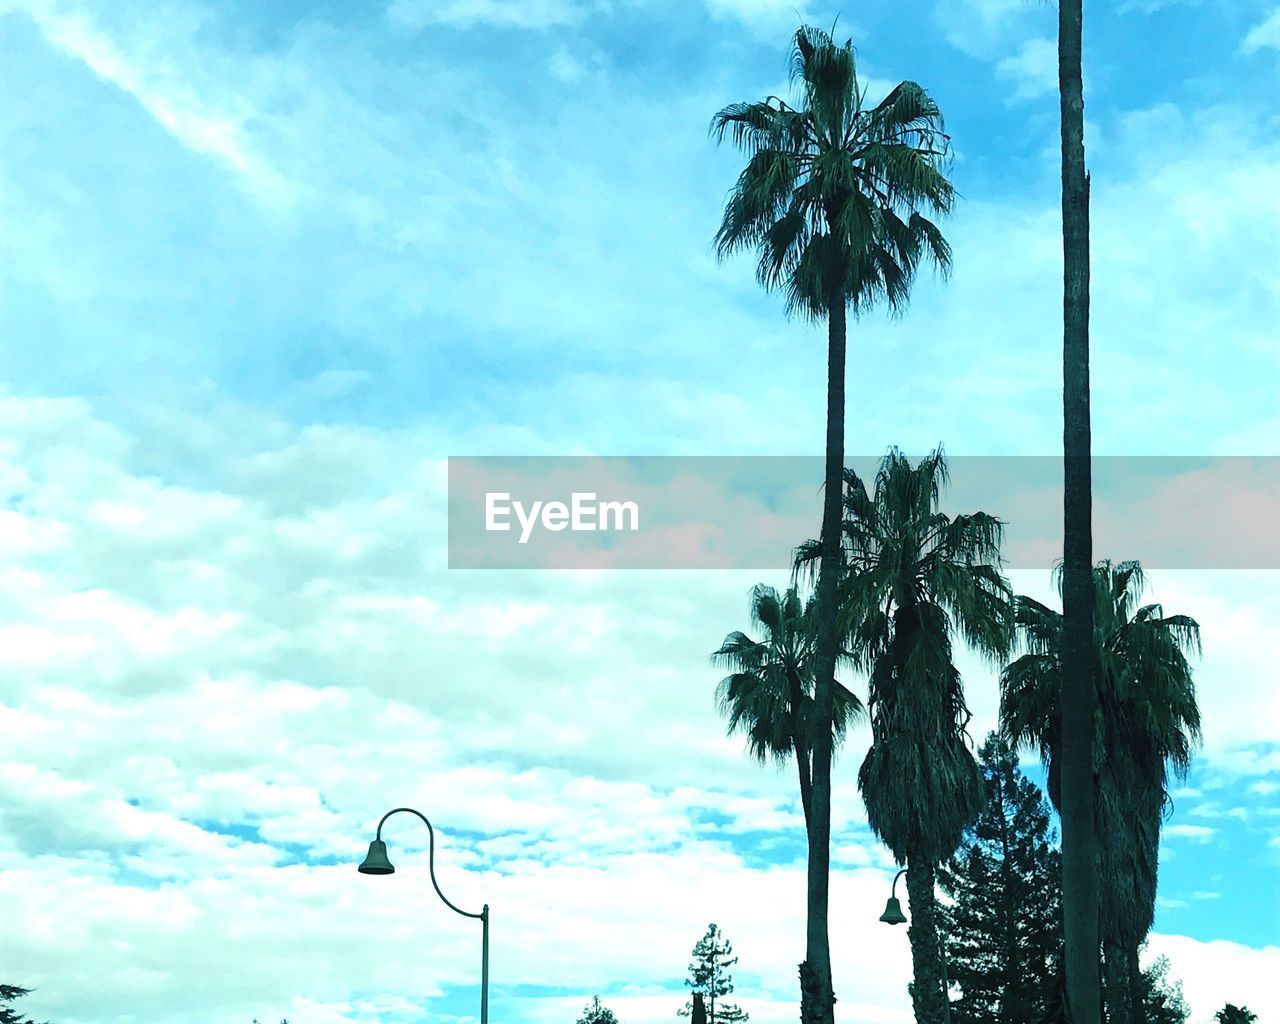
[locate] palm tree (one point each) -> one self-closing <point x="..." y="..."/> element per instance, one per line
<point x="1079" y="842"/>
<point x="769" y="693"/>
<point x="914" y="580"/>
<point x="1145" y="727"/>
<point x="831" y="196"/>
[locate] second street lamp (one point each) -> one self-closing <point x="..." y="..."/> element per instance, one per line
<point x="893" y="909"/>
<point x="376" y="862"/>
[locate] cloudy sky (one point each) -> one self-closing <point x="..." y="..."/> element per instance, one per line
<point x="266" y="266"/>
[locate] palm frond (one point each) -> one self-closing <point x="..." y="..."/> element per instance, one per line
<point x="837" y="195"/>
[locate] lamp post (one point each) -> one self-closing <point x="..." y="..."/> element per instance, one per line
<point x="893" y="915"/>
<point x="376" y="863"/>
<point x="893" y="909"/>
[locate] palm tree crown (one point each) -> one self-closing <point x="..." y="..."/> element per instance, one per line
<point x="914" y="577"/>
<point x="833" y="190"/>
<point x="834" y="196"/>
<point x="768" y="694"/>
<point x="1147" y="698"/>
<point x="1146" y="726"/>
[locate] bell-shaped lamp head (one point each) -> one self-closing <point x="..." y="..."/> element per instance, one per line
<point x="892" y="911"/>
<point x="376" y="863"/>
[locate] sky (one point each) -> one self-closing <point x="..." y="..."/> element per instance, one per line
<point x="266" y="267"/>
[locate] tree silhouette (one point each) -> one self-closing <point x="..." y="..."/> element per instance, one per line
<point x="1162" y="1000"/>
<point x="915" y="581"/>
<point x="8" y="1015"/>
<point x="597" y="1013"/>
<point x="1080" y="700"/>
<point x="834" y="198"/>
<point x="1149" y="725"/>
<point x="769" y="693"/>
<point x="1004" y="920"/>
<point x="710" y="979"/>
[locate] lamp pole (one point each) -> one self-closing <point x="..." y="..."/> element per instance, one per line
<point x="893" y="915"/>
<point x="377" y="863"/>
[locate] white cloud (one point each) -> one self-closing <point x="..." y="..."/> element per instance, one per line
<point x="1264" y="34"/>
<point x="1196" y="833"/>
<point x="245" y="626"/>
<point x="1150" y="6"/>
<point x="771" y="17"/>
<point x="986" y="28"/>
<point x="163" y="89"/>
<point x="1215" y="973"/>
<point x="276" y="655"/>
<point x="536" y="14"/>
<point x="1033" y="69"/>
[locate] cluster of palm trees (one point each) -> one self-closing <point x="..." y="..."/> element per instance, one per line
<point x="912" y="583"/>
<point x="834" y="196"/>
<point x="837" y="198"/>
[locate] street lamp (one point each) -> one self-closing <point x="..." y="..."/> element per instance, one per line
<point x="376" y="863"/>
<point x="893" y="915"/>
<point x="893" y="909"/>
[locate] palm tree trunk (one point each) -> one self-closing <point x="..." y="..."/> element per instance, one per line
<point x="817" y="998"/>
<point x="806" y="782"/>
<point x="1133" y="977"/>
<point x="1079" y="694"/>
<point x="928" y="991"/>
<point x="800" y="746"/>
<point x="1116" y="983"/>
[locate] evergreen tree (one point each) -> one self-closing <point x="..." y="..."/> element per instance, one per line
<point x="1003" y="918"/>
<point x="1232" y="1014"/>
<point x="1162" y="998"/>
<point x="709" y="977"/>
<point x="597" y="1013"/>
<point x="8" y="1015"/>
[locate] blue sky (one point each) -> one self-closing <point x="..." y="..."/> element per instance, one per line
<point x="266" y="266"/>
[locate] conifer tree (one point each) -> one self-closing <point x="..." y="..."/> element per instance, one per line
<point x="597" y="1013"/>
<point x="8" y="1015"/>
<point x="1162" y="999"/>
<point x="1002" y="918"/>
<point x="709" y="977"/>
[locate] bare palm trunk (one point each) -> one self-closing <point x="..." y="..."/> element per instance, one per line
<point x="1133" y="977"/>
<point x="928" y="990"/>
<point x="817" y="999"/>
<point x="1116" y="983"/>
<point x="1079" y="695"/>
<point x="800" y="746"/>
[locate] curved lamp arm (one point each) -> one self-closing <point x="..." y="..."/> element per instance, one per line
<point x="893" y="891"/>
<point x="431" y="862"/>
<point x="483" y="916"/>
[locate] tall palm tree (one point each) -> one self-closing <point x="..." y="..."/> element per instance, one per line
<point x="915" y="579"/>
<point x="1079" y="841"/>
<point x="769" y="693"/>
<point x="832" y="197"/>
<point x="1145" y="727"/>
